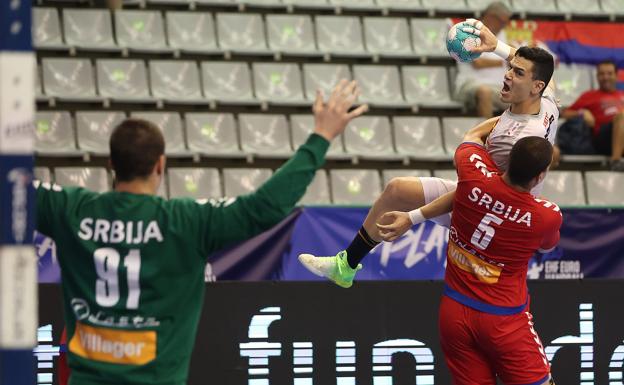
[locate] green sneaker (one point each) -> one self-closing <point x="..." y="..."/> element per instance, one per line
<point x="335" y="268"/>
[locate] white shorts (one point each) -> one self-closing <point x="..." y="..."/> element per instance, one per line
<point x="435" y="188"/>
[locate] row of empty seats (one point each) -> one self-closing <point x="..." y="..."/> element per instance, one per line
<point x="352" y="186"/>
<point x="265" y="135"/>
<point x="544" y="7"/>
<point x="222" y="82"/>
<point x="148" y="31"/>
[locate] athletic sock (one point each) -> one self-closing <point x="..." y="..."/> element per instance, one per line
<point x="361" y="245"/>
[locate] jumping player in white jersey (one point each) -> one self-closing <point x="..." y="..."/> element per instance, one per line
<point x="533" y="111"/>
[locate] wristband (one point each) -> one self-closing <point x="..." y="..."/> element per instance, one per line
<point x="416" y="216"/>
<point x="502" y="50"/>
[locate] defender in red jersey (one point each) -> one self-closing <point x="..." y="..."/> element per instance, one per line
<point x="486" y="329"/>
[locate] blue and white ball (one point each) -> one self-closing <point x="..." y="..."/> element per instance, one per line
<point x="459" y="43"/>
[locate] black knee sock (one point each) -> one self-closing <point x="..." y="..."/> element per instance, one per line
<point x="361" y="245"/>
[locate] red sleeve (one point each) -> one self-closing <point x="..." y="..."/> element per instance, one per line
<point x="582" y="102"/>
<point x="552" y="224"/>
<point x="473" y="162"/>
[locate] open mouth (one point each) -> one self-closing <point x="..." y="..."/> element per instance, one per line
<point x="506" y="89"/>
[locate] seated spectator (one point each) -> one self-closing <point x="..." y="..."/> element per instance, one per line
<point x="595" y="122"/>
<point x="479" y="82"/>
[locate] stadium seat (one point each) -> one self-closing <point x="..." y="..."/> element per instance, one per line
<point x="579" y="7"/>
<point x="429" y="37"/>
<point x="266" y="135"/>
<point x="69" y="79"/>
<point x="90" y="29"/>
<point x="480" y="5"/>
<point x="545" y="7"/>
<point x="445" y="5"/>
<point x="191" y="32"/>
<point x="571" y="81"/>
<point x="241" y="33"/>
<point x="42" y="174"/>
<point x="140" y="30"/>
<point x="262" y="3"/>
<point x="91" y="178"/>
<point x="212" y="134"/>
<point x="605" y="188"/>
<point x="176" y="81"/>
<point x="278" y="83"/>
<point x="216" y="2"/>
<point x="370" y="137"/>
<point x="380" y="85"/>
<point x="428" y="86"/>
<point x="46" y="28"/>
<point x="291" y="34"/>
<point x="171" y="126"/>
<point x="363" y="5"/>
<point x="240" y="181"/>
<point x="613" y="7"/>
<point x="313" y="4"/>
<point x="94" y="129"/>
<point x="340" y="35"/>
<point x="387" y="36"/>
<point x="400" y="5"/>
<point x="123" y="80"/>
<point x="387" y="175"/>
<point x="454" y="129"/>
<point x="565" y="188"/>
<point x="303" y="125"/>
<point x="324" y="77"/>
<point x="317" y="192"/>
<point x="355" y="187"/>
<point x="446" y="174"/>
<point x="227" y="82"/>
<point x="54" y="133"/>
<point x="419" y="137"/>
<point x="196" y="183"/>
<point x="38" y="85"/>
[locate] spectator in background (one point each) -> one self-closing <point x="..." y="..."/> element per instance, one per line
<point x="478" y="83"/>
<point x="595" y="122"/>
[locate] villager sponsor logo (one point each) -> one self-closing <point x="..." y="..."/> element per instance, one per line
<point x="484" y="271"/>
<point x="113" y="346"/>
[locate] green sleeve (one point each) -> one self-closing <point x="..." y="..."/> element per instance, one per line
<point x="51" y="203"/>
<point x="251" y="214"/>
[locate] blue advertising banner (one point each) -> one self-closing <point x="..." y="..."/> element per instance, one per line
<point x="591" y="246"/>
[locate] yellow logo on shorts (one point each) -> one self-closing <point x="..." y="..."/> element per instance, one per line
<point x="113" y="346"/>
<point x="461" y="258"/>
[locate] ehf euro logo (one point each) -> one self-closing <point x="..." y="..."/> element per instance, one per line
<point x="20" y="179"/>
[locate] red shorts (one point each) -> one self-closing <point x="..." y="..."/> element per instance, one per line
<point x="478" y="347"/>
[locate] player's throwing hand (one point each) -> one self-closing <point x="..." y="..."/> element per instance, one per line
<point x="488" y="39"/>
<point x="332" y="117"/>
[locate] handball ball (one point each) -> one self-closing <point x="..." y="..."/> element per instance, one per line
<point x="459" y="43"/>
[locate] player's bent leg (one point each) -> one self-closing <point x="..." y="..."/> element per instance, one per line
<point x="400" y="194"/>
<point x="467" y="364"/>
<point x="405" y="193"/>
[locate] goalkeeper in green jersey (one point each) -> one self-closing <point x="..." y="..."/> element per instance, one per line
<point x="132" y="263"/>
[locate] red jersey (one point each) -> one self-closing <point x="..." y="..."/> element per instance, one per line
<point x="495" y="230"/>
<point x="603" y="105"/>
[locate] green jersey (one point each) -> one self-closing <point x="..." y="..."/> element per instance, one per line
<point x="132" y="268"/>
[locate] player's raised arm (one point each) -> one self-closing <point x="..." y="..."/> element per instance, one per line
<point x="251" y="214"/>
<point x="479" y="133"/>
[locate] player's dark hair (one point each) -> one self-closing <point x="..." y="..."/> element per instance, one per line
<point x="529" y="157"/>
<point x="608" y="62"/>
<point x="543" y="63"/>
<point x="135" y="147"/>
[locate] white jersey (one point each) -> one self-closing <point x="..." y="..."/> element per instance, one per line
<point x="512" y="127"/>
